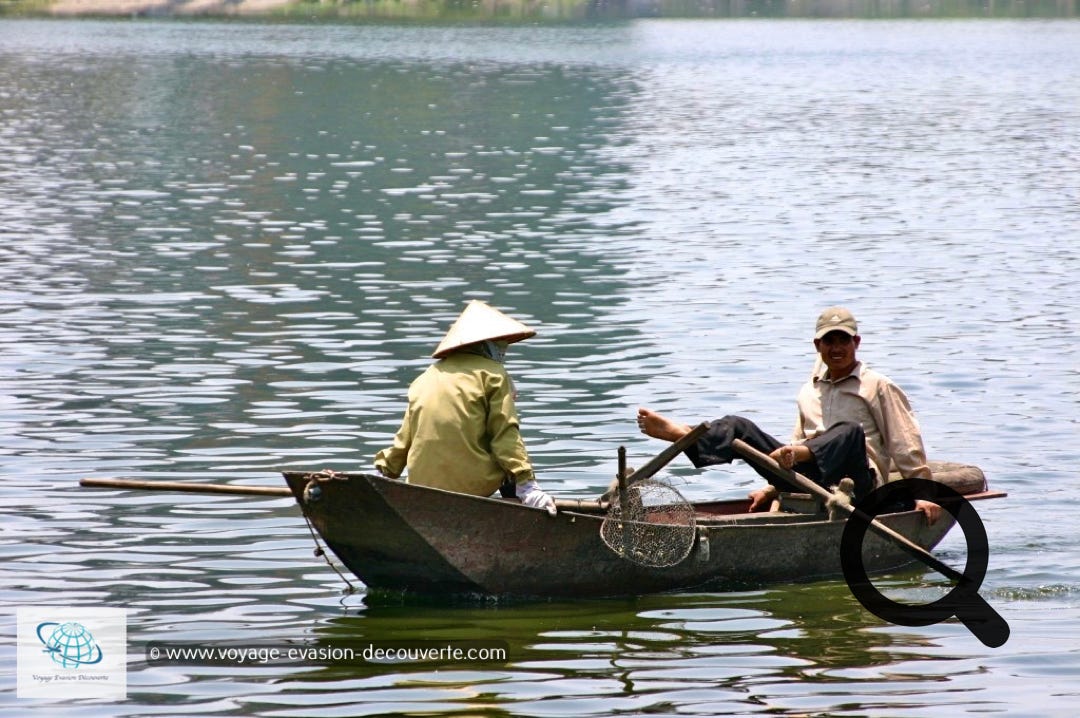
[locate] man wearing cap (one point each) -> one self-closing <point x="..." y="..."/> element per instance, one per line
<point x="852" y="422"/>
<point x="461" y="430"/>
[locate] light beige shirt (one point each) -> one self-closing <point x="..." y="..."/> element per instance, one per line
<point x="893" y="439"/>
<point x="460" y="430"/>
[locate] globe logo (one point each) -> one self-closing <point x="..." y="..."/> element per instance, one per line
<point x="69" y="644"/>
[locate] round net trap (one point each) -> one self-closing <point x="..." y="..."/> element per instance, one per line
<point x="656" y="527"/>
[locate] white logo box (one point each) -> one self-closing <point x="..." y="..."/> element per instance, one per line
<point x="72" y="652"/>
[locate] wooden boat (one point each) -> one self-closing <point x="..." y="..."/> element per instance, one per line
<point x="402" y="537"/>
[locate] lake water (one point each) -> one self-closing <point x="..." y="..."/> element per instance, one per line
<point x="227" y="248"/>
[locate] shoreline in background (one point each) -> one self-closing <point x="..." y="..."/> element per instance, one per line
<point x="511" y="11"/>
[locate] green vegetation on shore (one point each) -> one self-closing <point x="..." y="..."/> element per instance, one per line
<point x="542" y="10"/>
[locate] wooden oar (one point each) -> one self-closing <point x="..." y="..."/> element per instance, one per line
<point x="769" y="464"/>
<point x="624" y="481"/>
<point x="185" y="486"/>
<point x="651" y="467"/>
<point x="585" y="505"/>
<point x="664" y="457"/>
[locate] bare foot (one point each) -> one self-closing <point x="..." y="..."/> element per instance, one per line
<point x="788" y="456"/>
<point x="660" y="427"/>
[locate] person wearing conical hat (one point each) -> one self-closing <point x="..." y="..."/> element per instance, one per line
<point x="461" y="430"/>
<point x="852" y="422"/>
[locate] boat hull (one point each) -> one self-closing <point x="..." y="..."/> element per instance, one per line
<point x="398" y="536"/>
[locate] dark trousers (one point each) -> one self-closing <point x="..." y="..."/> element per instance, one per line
<point x="838" y="452"/>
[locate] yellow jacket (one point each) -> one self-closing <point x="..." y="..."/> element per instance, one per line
<point x="460" y="430"/>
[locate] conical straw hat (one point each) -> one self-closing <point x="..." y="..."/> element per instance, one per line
<point x="479" y="322"/>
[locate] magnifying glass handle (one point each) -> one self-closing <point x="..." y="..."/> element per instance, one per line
<point x="982" y="620"/>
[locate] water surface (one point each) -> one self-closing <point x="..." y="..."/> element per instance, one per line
<point x="227" y="249"/>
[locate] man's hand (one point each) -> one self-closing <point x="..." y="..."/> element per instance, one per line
<point x="761" y="499"/>
<point x="931" y="510"/>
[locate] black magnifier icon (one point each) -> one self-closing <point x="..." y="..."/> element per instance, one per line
<point x="963" y="601"/>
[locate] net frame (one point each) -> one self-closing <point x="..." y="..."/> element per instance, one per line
<point x="657" y="528"/>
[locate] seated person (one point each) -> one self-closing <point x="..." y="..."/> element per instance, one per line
<point x="460" y="430"/>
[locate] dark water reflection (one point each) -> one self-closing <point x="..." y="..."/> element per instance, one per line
<point x="227" y="249"/>
<point x="754" y="652"/>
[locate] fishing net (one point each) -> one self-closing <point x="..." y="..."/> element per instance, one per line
<point x="655" y="528"/>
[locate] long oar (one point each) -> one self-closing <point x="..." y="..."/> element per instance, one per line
<point x="769" y="464"/>
<point x="194" y="488"/>
<point x="185" y="486"/>
<point x="582" y="505"/>
<point x="624" y="481"/>
<point x="664" y="457"/>
<point x="651" y="467"/>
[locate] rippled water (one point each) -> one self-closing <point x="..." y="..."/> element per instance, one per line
<point x="227" y="248"/>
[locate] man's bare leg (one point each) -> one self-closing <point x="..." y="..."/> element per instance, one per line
<point x="660" y="427"/>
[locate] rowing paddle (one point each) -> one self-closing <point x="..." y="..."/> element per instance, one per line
<point x="664" y="457"/>
<point x="194" y="488"/>
<point x="651" y="467"/>
<point x="185" y="486"/>
<point x="582" y="505"/>
<point x="769" y="464"/>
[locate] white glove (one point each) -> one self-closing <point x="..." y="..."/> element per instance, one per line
<point x="531" y="495"/>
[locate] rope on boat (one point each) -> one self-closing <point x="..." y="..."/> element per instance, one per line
<point x="313" y="479"/>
